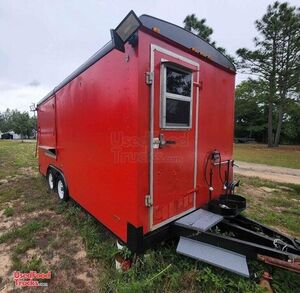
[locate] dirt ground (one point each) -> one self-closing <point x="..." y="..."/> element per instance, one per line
<point x="35" y="236"/>
<point x="276" y="174"/>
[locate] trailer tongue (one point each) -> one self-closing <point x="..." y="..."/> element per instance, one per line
<point x="227" y="242"/>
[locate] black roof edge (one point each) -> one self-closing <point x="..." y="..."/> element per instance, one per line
<point x="188" y="38"/>
<point x="185" y="40"/>
<point x="98" y="55"/>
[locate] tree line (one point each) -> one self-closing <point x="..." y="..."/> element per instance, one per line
<point x="268" y="102"/>
<point x="19" y="122"/>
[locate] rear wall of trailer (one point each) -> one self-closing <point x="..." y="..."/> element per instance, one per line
<point x="215" y="118"/>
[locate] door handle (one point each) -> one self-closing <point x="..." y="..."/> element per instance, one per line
<point x="163" y="142"/>
<point x="170" y="142"/>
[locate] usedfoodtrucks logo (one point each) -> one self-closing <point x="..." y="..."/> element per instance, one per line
<point x="31" y="279"/>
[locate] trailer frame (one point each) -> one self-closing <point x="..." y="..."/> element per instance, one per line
<point x="250" y="238"/>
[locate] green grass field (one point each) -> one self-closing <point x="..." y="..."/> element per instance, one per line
<point x="283" y="156"/>
<point x="40" y="233"/>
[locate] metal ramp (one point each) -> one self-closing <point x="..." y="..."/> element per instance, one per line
<point x="234" y="239"/>
<point x="199" y="220"/>
<point x="213" y="255"/>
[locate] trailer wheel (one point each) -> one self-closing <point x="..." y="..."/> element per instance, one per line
<point x="62" y="190"/>
<point x="50" y="179"/>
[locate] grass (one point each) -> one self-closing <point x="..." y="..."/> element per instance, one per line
<point x="24" y="232"/>
<point x="34" y="264"/>
<point x="8" y="212"/>
<point x="159" y="270"/>
<point x="15" y="155"/>
<point x="24" y="245"/>
<point x="279" y="208"/>
<point x="283" y="156"/>
<point x="8" y="195"/>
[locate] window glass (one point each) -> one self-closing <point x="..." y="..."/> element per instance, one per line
<point x="178" y="82"/>
<point x="177" y="112"/>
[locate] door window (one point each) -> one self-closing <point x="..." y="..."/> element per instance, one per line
<point x="176" y="97"/>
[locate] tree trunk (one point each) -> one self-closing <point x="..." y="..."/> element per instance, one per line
<point x="279" y="126"/>
<point x="270" y="125"/>
<point x="272" y="92"/>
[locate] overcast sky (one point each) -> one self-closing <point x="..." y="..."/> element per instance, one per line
<point x="43" y="41"/>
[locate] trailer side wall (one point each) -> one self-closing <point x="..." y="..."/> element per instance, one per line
<point x="96" y="116"/>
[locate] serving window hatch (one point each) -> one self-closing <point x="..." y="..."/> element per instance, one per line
<point x="176" y="96"/>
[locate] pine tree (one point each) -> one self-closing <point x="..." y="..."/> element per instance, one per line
<point x="199" y="28"/>
<point x="276" y="61"/>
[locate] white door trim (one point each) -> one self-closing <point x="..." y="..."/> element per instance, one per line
<point x="157" y="48"/>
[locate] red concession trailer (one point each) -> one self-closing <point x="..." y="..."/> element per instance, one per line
<point x="130" y="130"/>
<point x="141" y="136"/>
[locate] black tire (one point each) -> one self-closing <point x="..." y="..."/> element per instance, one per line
<point x="51" y="179"/>
<point x="62" y="189"/>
